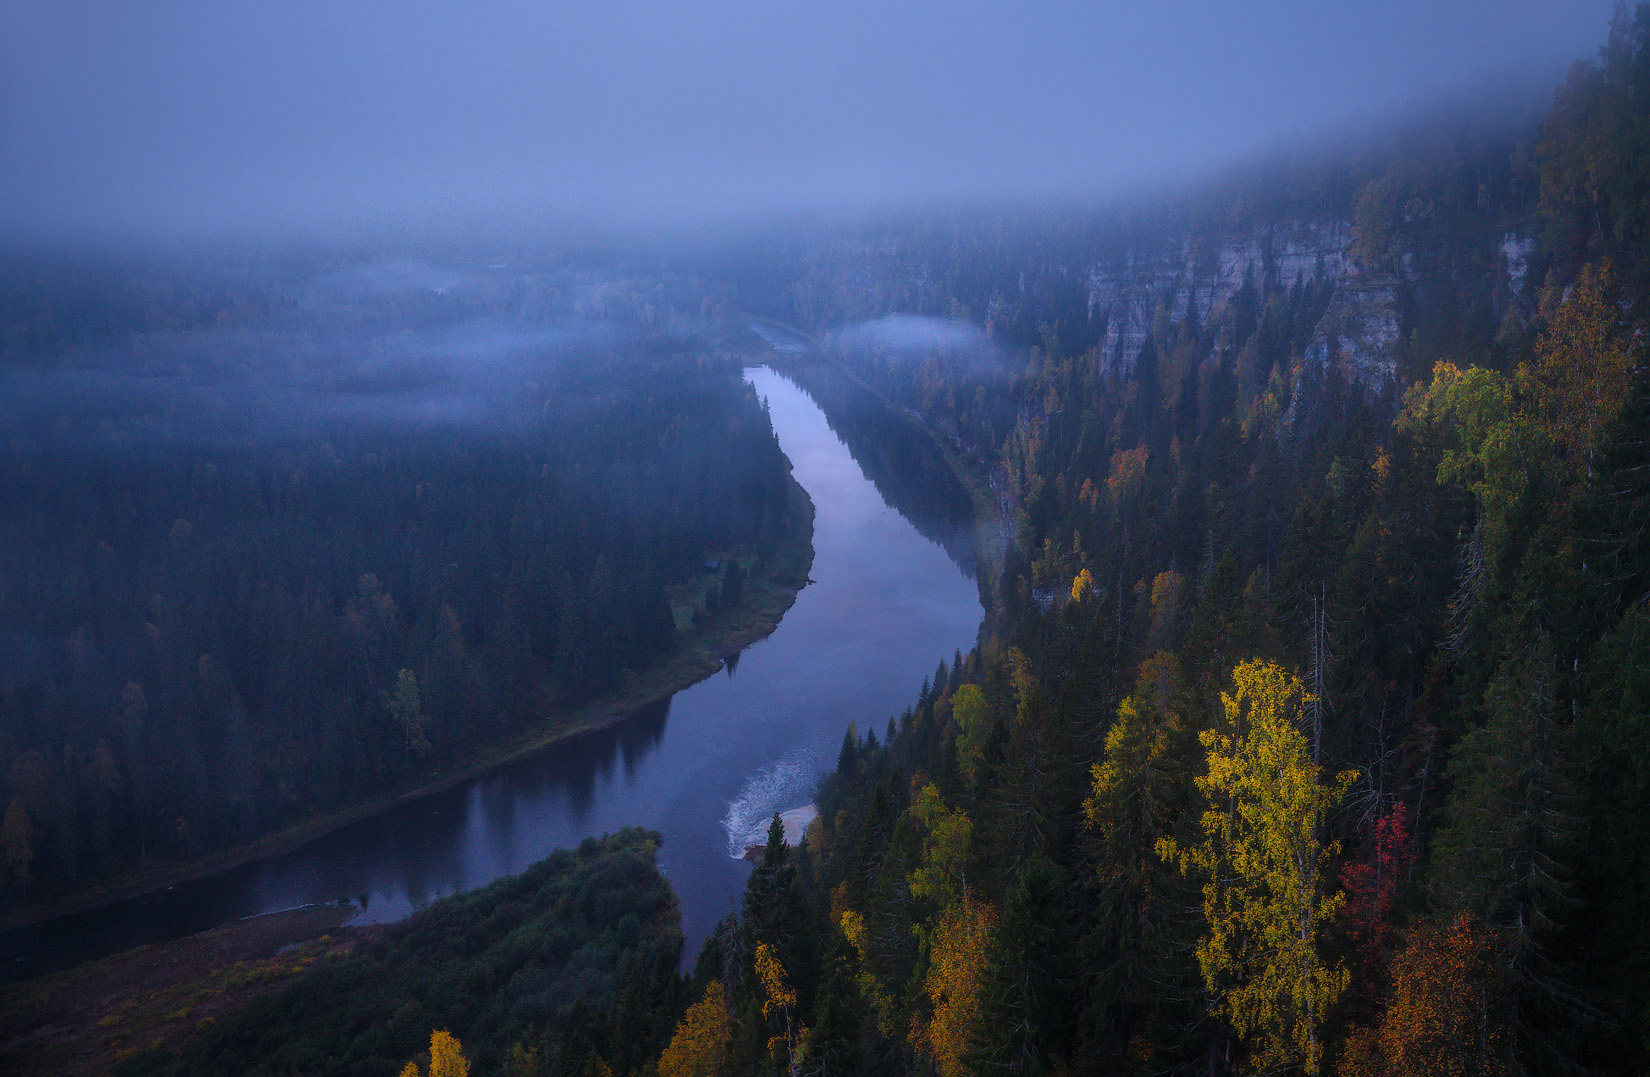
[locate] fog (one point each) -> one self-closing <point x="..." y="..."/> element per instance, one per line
<point x="225" y="118"/>
<point x="910" y="334"/>
<point x="911" y="338"/>
<point x="397" y="347"/>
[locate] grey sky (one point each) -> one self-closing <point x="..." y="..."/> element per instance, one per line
<point x="183" y="117"/>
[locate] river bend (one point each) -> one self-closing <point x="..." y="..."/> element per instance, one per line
<point x="707" y="768"/>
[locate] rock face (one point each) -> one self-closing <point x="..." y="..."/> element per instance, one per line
<point x="1517" y="249"/>
<point x="1144" y="276"/>
<point x="1360" y="331"/>
<point x="1360" y="326"/>
<point x="1358" y="334"/>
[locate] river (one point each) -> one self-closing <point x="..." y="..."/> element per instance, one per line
<point x="707" y="768"/>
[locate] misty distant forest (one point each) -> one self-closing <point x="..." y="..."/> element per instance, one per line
<point x="1307" y="730"/>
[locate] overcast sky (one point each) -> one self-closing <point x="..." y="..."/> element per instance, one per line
<point x="183" y="117"/>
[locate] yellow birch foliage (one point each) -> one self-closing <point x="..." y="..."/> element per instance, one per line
<point x="853" y="928"/>
<point x="779" y="1005"/>
<point x="1484" y="446"/>
<point x="941" y="875"/>
<point x="699" y="1047"/>
<point x="777" y="995"/>
<point x="972" y="715"/>
<point x="956" y="968"/>
<point x="1264" y="899"/>
<point x="447" y="1056"/>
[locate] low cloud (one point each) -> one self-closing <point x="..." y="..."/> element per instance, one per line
<point x="915" y="337"/>
<point x="345" y="358"/>
<point x="914" y="334"/>
<point x="330" y="118"/>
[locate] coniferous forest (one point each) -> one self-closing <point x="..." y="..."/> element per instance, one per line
<point x="1307" y="731"/>
<point x="274" y="545"/>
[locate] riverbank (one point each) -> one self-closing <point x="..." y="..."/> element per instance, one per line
<point x="795" y="824"/>
<point x="89" y="1019"/>
<point x="704" y="651"/>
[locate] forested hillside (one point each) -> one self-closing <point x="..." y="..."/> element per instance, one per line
<point x="587" y="931"/>
<point x="271" y="546"/>
<point x="1309" y="731"/>
<point x="1312" y="736"/>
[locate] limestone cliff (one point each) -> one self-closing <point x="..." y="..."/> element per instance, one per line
<point x="1359" y="332"/>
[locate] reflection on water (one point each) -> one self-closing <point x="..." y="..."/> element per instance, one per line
<point x="898" y="457"/>
<point x="705" y="768"/>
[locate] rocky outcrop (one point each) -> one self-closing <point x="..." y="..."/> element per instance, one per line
<point x="795" y="823"/>
<point x="1142" y="277"/>
<point x="1517" y="251"/>
<point x="1359" y="331"/>
<point x="1186" y="281"/>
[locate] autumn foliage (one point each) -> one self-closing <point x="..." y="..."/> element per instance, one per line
<point x="1449" y="1014"/>
<point x="956" y="969"/>
<point x="1583" y="369"/>
<point x="699" y="1047"/>
<point x="1372" y="882"/>
<point x="1263" y="901"/>
<point x="446" y="1058"/>
<point x="779" y="1007"/>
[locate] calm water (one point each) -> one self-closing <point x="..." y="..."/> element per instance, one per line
<point x="707" y="769"/>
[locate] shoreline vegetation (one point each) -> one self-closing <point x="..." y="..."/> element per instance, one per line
<point x="590" y="922"/>
<point x="90" y="1018"/>
<point x="703" y="652"/>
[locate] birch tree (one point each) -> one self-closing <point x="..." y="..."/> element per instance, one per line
<point x="1264" y="859"/>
